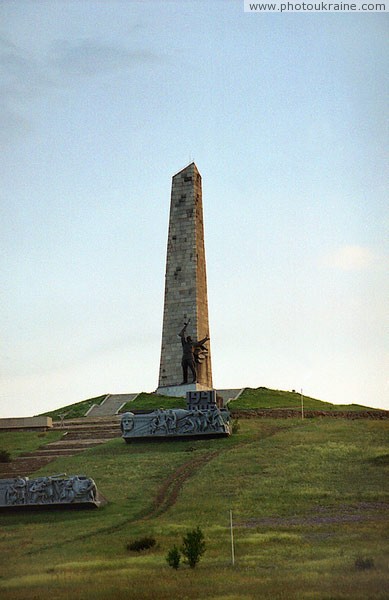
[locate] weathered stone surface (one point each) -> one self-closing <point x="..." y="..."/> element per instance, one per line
<point x="205" y="400"/>
<point x="48" y="492"/>
<point x="111" y="405"/>
<point x="177" y="423"/>
<point x="26" y="423"/>
<point x="180" y="391"/>
<point x="185" y="280"/>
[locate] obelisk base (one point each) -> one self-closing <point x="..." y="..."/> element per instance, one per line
<point x="179" y="391"/>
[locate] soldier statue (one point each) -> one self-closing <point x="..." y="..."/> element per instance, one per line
<point x="189" y="348"/>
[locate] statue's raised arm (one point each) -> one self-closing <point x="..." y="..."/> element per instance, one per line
<point x="188" y="360"/>
<point x="183" y="330"/>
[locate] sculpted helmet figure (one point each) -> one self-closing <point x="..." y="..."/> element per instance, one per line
<point x="127" y="422"/>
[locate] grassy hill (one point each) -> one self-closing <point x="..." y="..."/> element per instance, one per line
<point x="263" y="397"/>
<point x="144" y="401"/>
<point x="73" y="411"/>
<point x="258" y="398"/>
<point x="308" y="498"/>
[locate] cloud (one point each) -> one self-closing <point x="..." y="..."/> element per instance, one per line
<point x="25" y="77"/>
<point x="22" y="76"/>
<point x="351" y="258"/>
<point x="91" y="57"/>
<point x="12" y="125"/>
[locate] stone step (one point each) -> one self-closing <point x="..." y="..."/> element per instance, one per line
<point x="108" y="427"/>
<point x="63" y="447"/>
<point x="23" y="467"/>
<point x="111" y="405"/>
<point x="54" y="453"/>
<point x="229" y="394"/>
<point x="21" y="462"/>
<point x="87" y="433"/>
<point x="105" y="427"/>
<point x="66" y="425"/>
<point x="69" y="444"/>
<point x="88" y="420"/>
<point x="78" y="435"/>
<point x="95" y="435"/>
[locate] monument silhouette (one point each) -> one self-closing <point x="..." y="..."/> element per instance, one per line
<point x="186" y="299"/>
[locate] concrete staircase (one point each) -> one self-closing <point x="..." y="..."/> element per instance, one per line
<point x="78" y="435"/>
<point x="101" y="424"/>
<point x="110" y="405"/>
<point x="230" y="394"/>
<point x="114" y="402"/>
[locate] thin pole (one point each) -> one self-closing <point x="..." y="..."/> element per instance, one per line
<point x="302" y="404"/>
<point x="232" y="541"/>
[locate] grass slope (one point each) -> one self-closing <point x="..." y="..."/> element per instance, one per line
<point x="73" y="411"/>
<point x="308" y="498"/>
<point x="263" y="397"/>
<point x="250" y="399"/>
<point x="145" y="401"/>
<point x="18" y="442"/>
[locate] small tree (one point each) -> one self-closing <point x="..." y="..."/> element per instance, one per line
<point x="364" y="563"/>
<point x="235" y="427"/>
<point x="173" y="557"/>
<point x="193" y="546"/>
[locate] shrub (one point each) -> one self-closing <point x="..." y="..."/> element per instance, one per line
<point x="141" y="544"/>
<point x="173" y="557"/>
<point x="382" y="459"/>
<point x="193" y="546"/>
<point x="235" y="426"/>
<point x="5" y="456"/>
<point x="361" y="564"/>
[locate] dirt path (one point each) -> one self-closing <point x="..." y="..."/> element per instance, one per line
<point x="165" y="499"/>
<point x="171" y="487"/>
<point x="324" y="515"/>
<point x="168" y="492"/>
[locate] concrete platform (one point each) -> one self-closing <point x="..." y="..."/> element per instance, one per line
<point x="179" y="391"/>
<point x="13" y="423"/>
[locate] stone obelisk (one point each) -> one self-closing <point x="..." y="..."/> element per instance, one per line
<point x="185" y="285"/>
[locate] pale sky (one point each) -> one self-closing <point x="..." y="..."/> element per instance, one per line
<point x="286" y="118"/>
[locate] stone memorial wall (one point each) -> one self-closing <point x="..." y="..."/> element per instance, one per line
<point x="202" y="418"/>
<point x="48" y="491"/>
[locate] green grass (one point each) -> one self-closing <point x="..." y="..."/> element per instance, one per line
<point x="73" y="411"/>
<point x="19" y="442"/>
<point x="308" y="498"/>
<point x="250" y="399"/>
<point x="266" y="398"/>
<point x="146" y="401"/>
